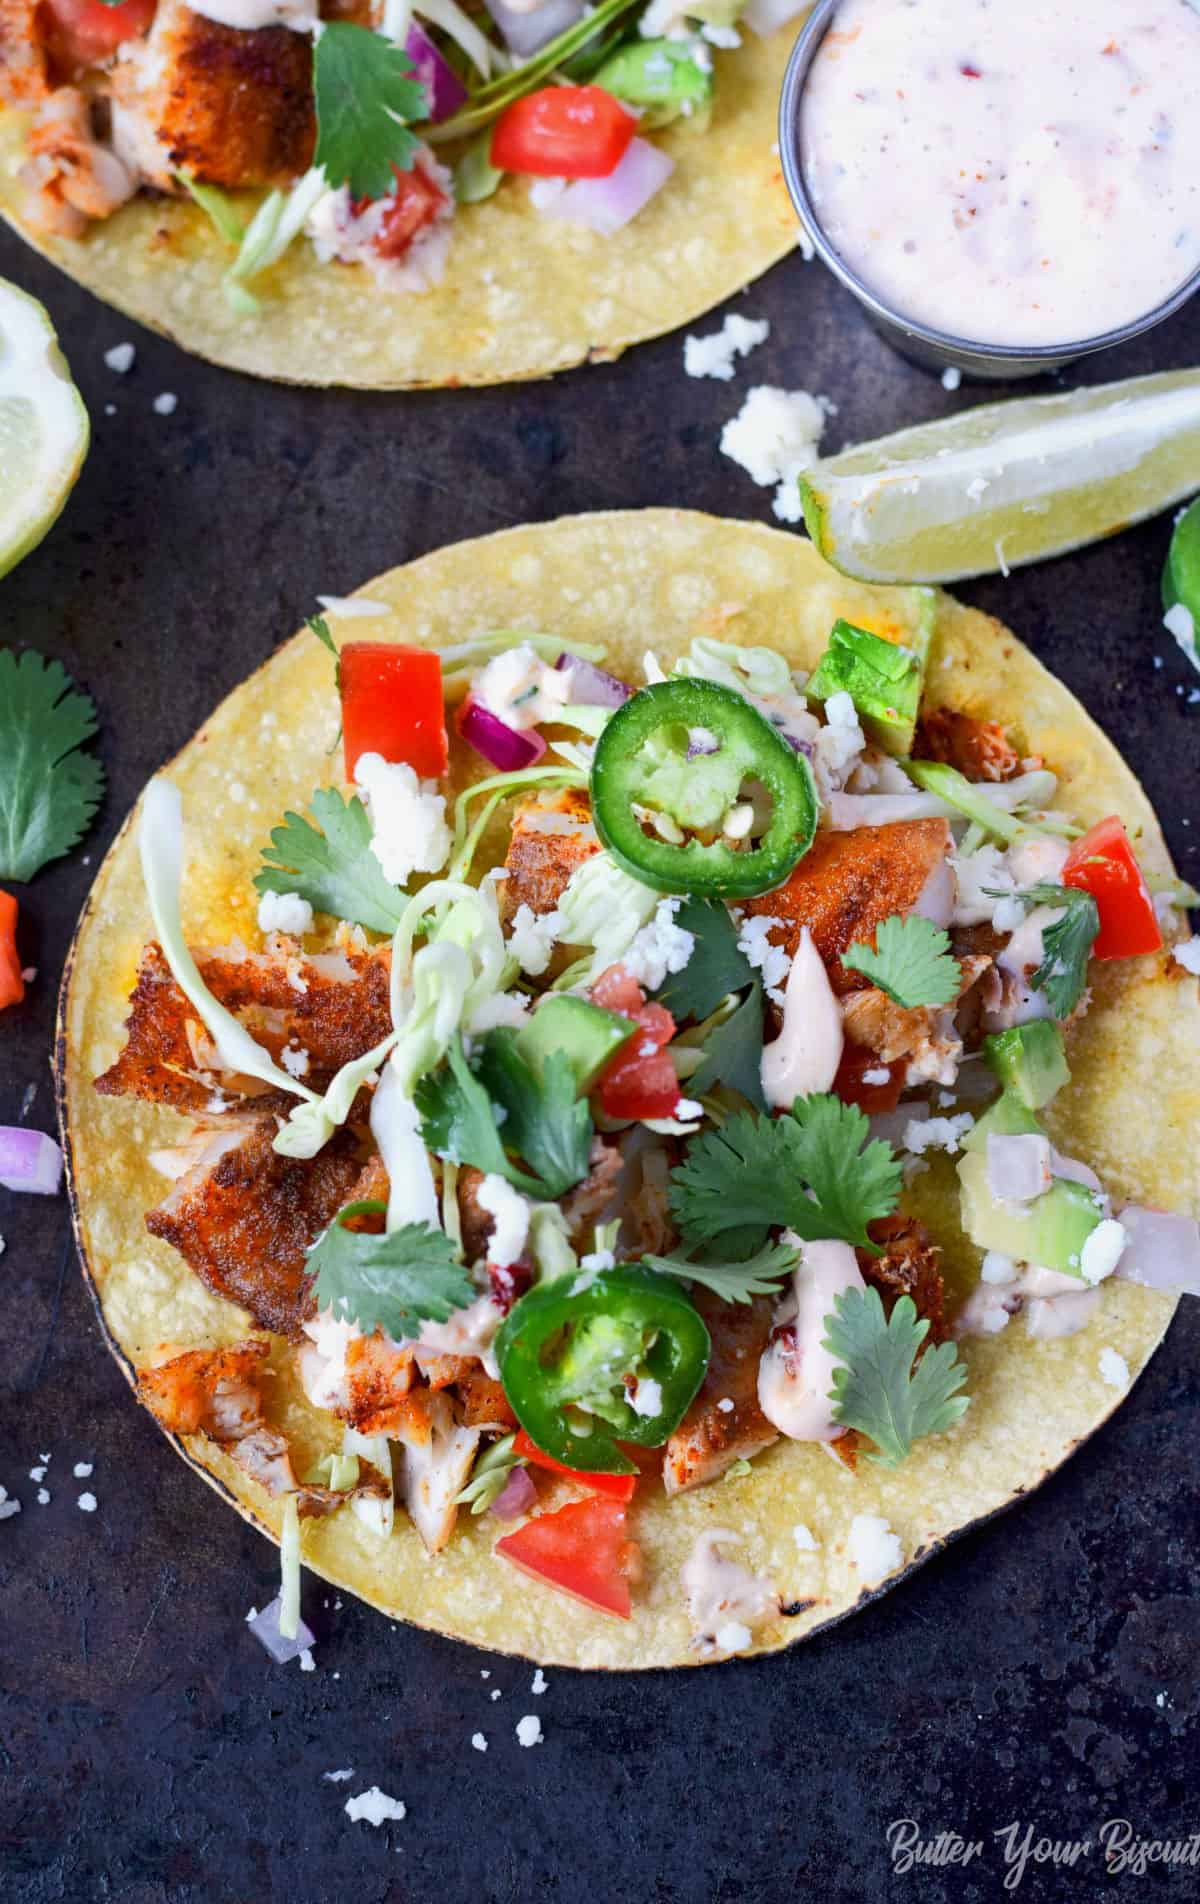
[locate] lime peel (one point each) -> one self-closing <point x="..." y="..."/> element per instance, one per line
<point x="44" y="428"/>
<point x="1006" y="483"/>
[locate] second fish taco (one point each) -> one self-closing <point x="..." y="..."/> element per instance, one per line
<point x="676" y="1112"/>
<point x="387" y="196"/>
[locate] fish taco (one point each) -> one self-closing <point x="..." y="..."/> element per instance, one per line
<point x="624" y="1106"/>
<point x="385" y="196"/>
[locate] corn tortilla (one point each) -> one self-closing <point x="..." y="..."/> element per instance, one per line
<point x="523" y="294"/>
<point x="652" y="578"/>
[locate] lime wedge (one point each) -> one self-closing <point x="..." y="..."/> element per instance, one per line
<point x="1006" y="483"/>
<point x="43" y="425"/>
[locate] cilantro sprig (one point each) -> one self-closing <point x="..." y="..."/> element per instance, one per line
<point x="394" y="1281"/>
<point x="331" y="864"/>
<point x="808" y="1171"/>
<point x="1066" y="945"/>
<point x="911" y="961"/>
<point x="366" y="98"/>
<point x="879" y="1387"/>
<point x="716" y="967"/>
<point x="49" y="790"/>
<point x="733" y="1282"/>
<point x="478" y="1116"/>
<point x="733" y="1052"/>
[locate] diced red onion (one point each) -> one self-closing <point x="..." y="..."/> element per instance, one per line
<point x="1018" y="1167"/>
<point x="606" y="205"/>
<point x="265" y="1628"/>
<point x="29" y="1161"/>
<point x="516" y="1497"/>
<point x="506" y="748"/>
<point x="1075" y="1172"/>
<point x="446" y="90"/>
<point x="591" y="686"/>
<point x="701" y="741"/>
<point x="767" y="16"/>
<point x="526" y="32"/>
<point x="1163" y="1251"/>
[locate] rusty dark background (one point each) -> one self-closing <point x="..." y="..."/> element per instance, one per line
<point x="1043" y="1671"/>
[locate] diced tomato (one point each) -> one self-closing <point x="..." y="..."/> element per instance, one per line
<point x="563" y="132"/>
<point x="1103" y="863"/>
<point x="508" y="1282"/>
<point x="850" y="1086"/>
<point x="617" y="991"/>
<point x="619" y="1487"/>
<point x="639" y="1080"/>
<point x="12" y="985"/>
<point x="86" y="32"/>
<point x="414" y="203"/>
<point x="582" y="1549"/>
<point x="392" y="705"/>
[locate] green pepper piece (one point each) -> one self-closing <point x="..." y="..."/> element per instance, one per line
<point x="882" y="679"/>
<point x="567" y="1345"/>
<point x="661" y="77"/>
<point x="641" y="758"/>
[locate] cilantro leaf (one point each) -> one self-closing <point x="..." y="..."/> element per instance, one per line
<point x="716" y="967"/>
<point x="878" y="1390"/>
<point x="392" y="1282"/>
<point x="912" y="962"/>
<point x="48" y="790"/>
<point x="738" y="1183"/>
<point x="733" y="1053"/>
<point x="332" y="865"/>
<point x="733" y="1282"/>
<point x="366" y="95"/>
<point x="545" y="1121"/>
<point x="459" y="1122"/>
<point x="1066" y="945"/>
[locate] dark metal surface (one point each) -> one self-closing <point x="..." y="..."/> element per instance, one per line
<point x="1043" y="1672"/>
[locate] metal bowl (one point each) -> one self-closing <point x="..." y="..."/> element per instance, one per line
<point x="936" y="350"/>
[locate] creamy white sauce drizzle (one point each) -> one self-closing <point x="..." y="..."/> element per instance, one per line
<point x="795" y="1383"/>
<point x="1006" y="170"/>
<point x="808" y="1050"/>
<point x="248" y="15"/>
<point x="720" y="1592"/>
<point x="1053" y="1305"/>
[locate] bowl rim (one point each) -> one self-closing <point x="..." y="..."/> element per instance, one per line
<point x="949" y="343"/>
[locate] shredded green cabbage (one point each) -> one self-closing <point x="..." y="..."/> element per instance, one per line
<point x="374" y="1513"/>
<point x="160" y="845"/>
<point x="604" y="907"/>
<point x="289" y="1569"/>
<point x="280" y="218"/>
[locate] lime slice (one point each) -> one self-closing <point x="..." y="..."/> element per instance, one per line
<point x="43" y="425"/>
<point x="1008" y="482"/>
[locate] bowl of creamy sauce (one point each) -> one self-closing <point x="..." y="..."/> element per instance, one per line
<point x="1004" y="184"/>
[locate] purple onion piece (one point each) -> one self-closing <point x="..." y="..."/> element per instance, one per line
<point x="508" y="749"/>
<point x="1018" y="1167"/>
<point x="701" y="741"/>
<point x="516" y="1497"/>
<point x="525" y="33"/>
<point x="591" y="686"/>
<point x="29" y="1161"/>
<point x="446" y="90"/>
<point x="265" y="1628"/>
<point x="606" y="205"/>
<point x="1163" y="1251"/>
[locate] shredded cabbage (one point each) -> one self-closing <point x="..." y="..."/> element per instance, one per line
<point x="745" y="670"/>
<point x="368" y="1508"/>
<point x="289" y="1568"/>
<point x="281" y="217"/>
<point x="396" y="1128"/>
<point x="604" y="907"/>
<point x="485" y="57"/>
<point x="492" y="790"/>
<point x="160" y="845"/>
<point x="550" y="1242"/>
<point x="217" y="207"/>
<point x="310" y="1126"/>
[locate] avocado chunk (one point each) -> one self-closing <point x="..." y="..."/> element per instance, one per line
<point x="1051" y="1231"/>
<point x="882" y="679"/>
<point x="586" y="1034"/>
<point x="1029" y="1060"/>
<point x="1007" y="1117"/>
<point x="662" y="78"/>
